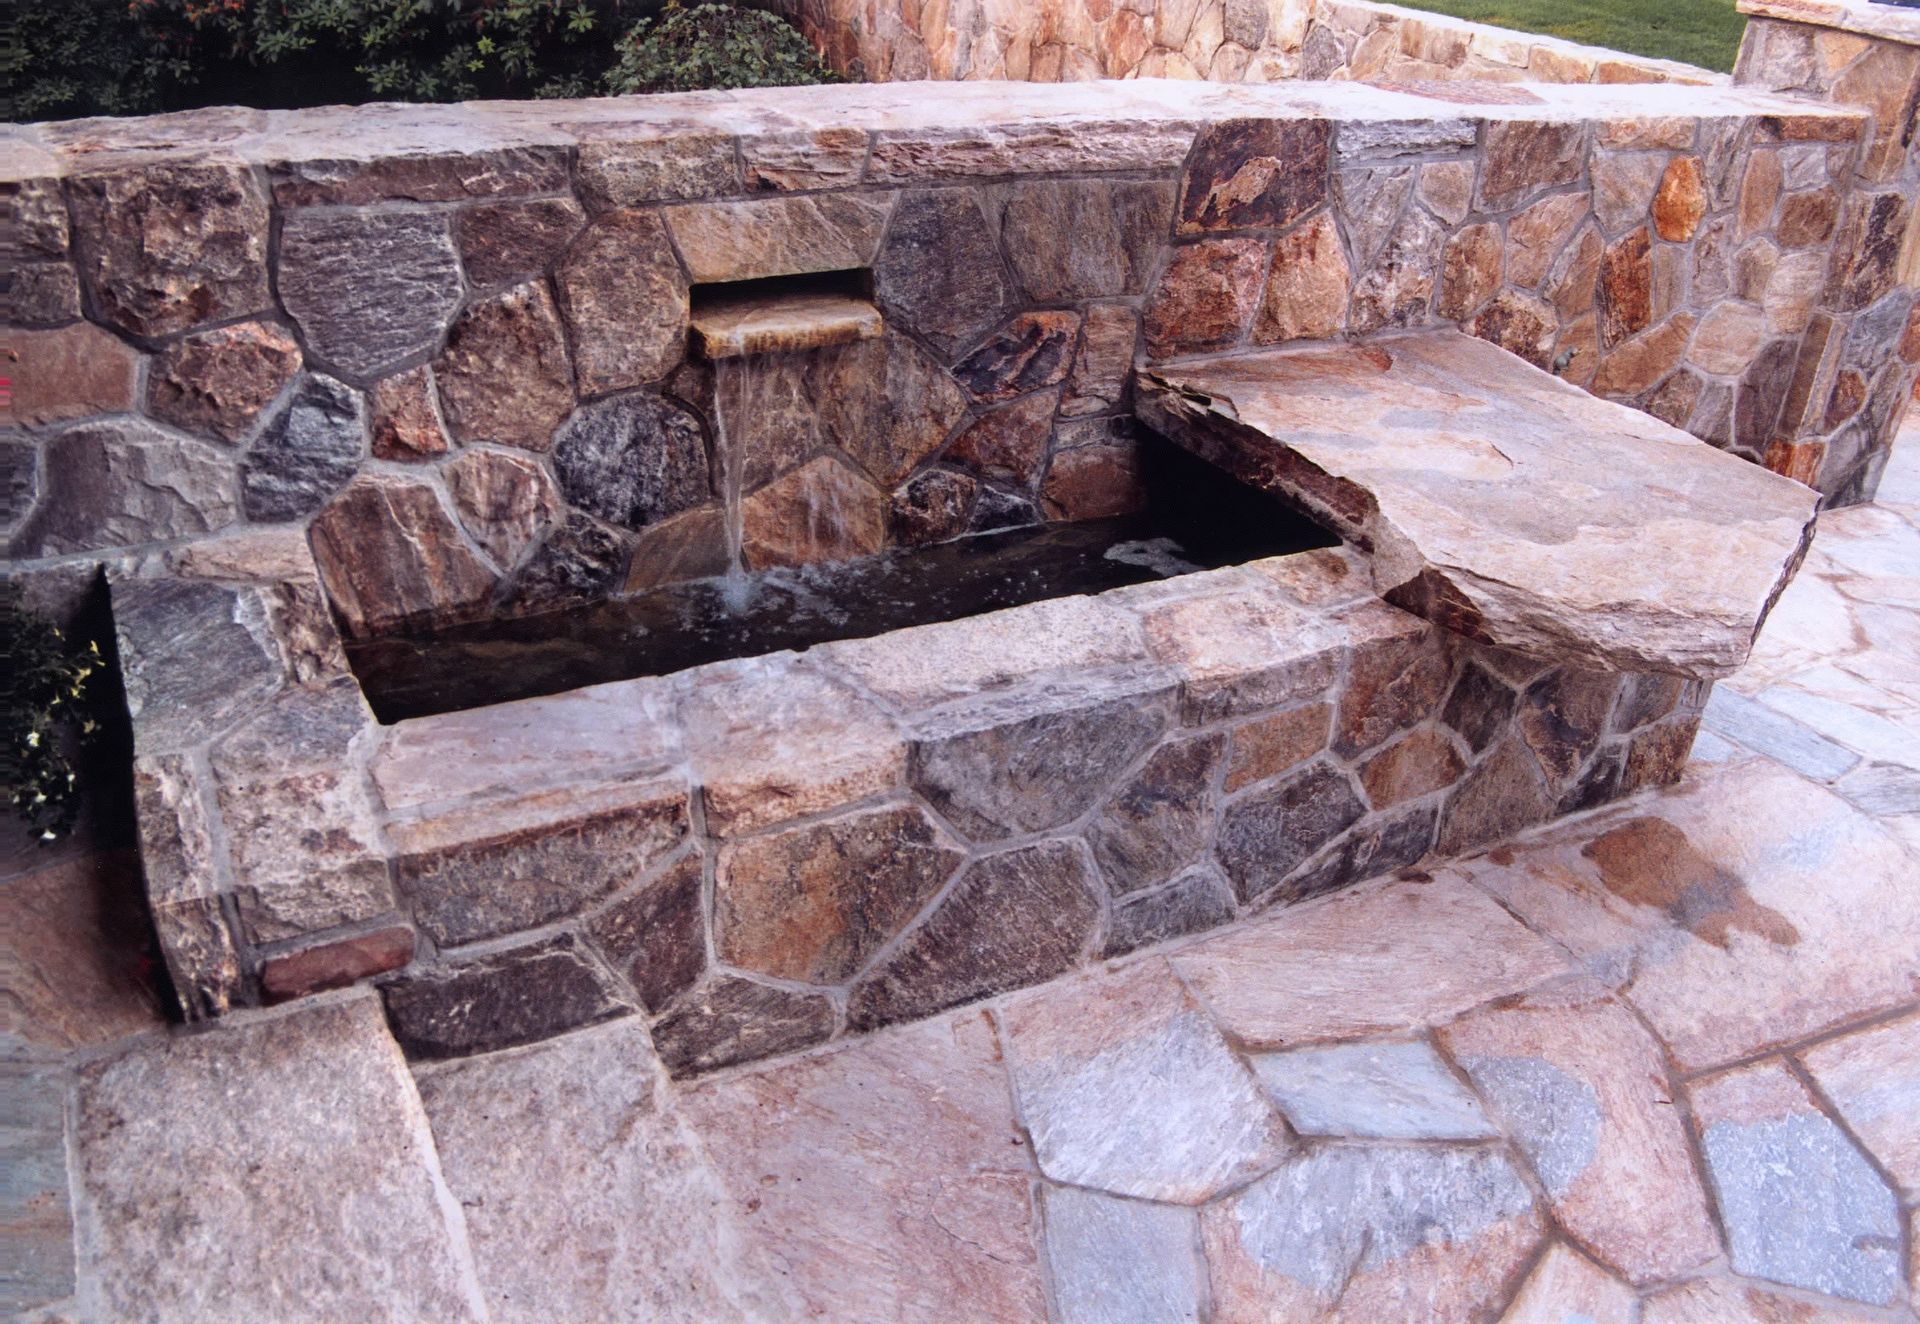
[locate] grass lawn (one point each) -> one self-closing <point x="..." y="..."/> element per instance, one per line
<point x="1702" y="32"/>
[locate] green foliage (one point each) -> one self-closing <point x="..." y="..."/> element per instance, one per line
<point x="712" y="45"/>
<point x="1702" y="32"/>
<point x="90" y="57"/>
<point x="43" y="692"/>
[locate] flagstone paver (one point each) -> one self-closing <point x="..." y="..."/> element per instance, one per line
<point x="1873" y="1079"/>
<point x="1567" y="1288"/>
<point x="1122" y="1261"/>
<point x="1377" y="1089"/>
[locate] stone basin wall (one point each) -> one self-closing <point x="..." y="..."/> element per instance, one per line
<point x="449" y="344"/>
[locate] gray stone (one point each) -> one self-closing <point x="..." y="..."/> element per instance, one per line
<point x="1268" y="834"/>
<point x="1127" y="1087"/>
<point x="658" y="934"/>
<point x="194" y="658"/>
<point x="35" y="1208"/>
<point x="729" y="1020"/>
<point x="1389" y="138"/>
<point x="1006" y="766"/>
<point x="633" y="459"/>
<point x="582" y="559"/>
<point x="1013" y="919"/>
<point x="1380" y="1090"/>
<point x="1371" y="200"/>
<point x="306" y="453"/>
<point x="1159" y="819"/>
<point x="625" y="300"/>
<point x="1120" y="1261"/>
<point x="123" y="484"/>
<point x="1554" y="1116"/>
<point x="1085" y="239"/>
<point x="368" y="288"/>
<point x="584" y="1197"/>
<point x="1377" y="846"/>
<point x="939" y="270"/>
<point x="500" y="1000"/>
<point x="205" y="1166"/>
<point x="1192" y="903"/>
<point x="1766" y="731"/>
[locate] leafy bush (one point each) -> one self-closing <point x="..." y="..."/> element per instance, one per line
<point x="42" y="696"/>
<point x="715" y="46"/>
<point x="127" y="57"/>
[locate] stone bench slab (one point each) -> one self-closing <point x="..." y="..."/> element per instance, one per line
<point x="1502" y="502"/>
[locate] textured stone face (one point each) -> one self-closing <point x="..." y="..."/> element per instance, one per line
<point x="1084" y="239"/>
<point x="632" y="459"/>
<point x="933" y="507"/>
<point x="625" y="301"/>
<point x="1376" y="1090"/>
<point x="1626" y="287"/>
<point x="1032" y="351"/>
<point x="336" y="964"/>
<point x="657" y="936"/>
<point x="725" y="241"/>
<point x="1396" y="288"/>
<point x="939" y="270"/>
<point x="822" y="511"/>
<point x="504" y="375"/>
<point x="1271" y="832"/>
<point x="1121" y="1259"/>
<point x="1010" y="442"/>
<point x="406" y="423"/>
<point x="508" y="241"/>
<point x="1681" y="201"/>
<point x="123" y="484"/>
<point x="1157" y="822"/>
<point x="1253" y="174"/>
<point x="306" y="453"/>
<point x="1206" y="296"/>
<point x="194" y="658"/>
<point x="215" y="1101"/>
<point x="500" y="1001"/>
<point x="1525" y="157"/>
<point x="368" y="289"/>
<point x="626" y="174"/>
<point x="580" y="560"/>
<point x="728" y="1020"/>
<point x="814" y="903"/>
<point x="1469" y="270"/>
<point x="1104" y="364"/>
<point x="505" y="501"/>
<point x="1013" y="919"/>
<point x="165" y="248"/>
<point x="1306" y="295"/>
<point x="1872" y="1078"/>
<point x="996" y="770"/>
<point x="1192" y="903"/>
<point x="217" y="382"/>
<point x="70" y="373"/>
<point x="388" y="554"/>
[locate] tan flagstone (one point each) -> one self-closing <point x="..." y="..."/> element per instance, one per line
<point x="1567" y="1288"/>
<point x="1872" y="1077"/>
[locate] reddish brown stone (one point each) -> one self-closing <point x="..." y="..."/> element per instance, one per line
<point x="1658" y="755"/>
<point x="1268" y="746"/>
<point x="168" y="247"/>
<point x="1206" y="296"/>
<point x="1105" y="360"/>
<point x="1391" y="685"/>
<point x="1013" y="919"/>
<point x="1094" y="482"/>
<point x="1470" y="270"/>
<point x="729" y="1020"/>
<point x="217" y="382"/>
<point x="625" y="300"/>
<point x="690" y="545"/>
<point x="814" y="903"/>
<point x="1009" y="442"/>
<point x="504" y="376"/>
<point x="1525" y="157"/>
<point x="1575" y="276"/>
<point x="939" y="271"/>
<point x="406" y="426"/>
<point x="1424" y="762"/>
<point x="933" y="507"/>
<point x="73" y="372"/>
<point x="450" y="175"/>
<point x="1674" y="402"/>
<point x="1562" y="717"/>
<point x="1031" y="352"/>
<point x="885" y="403"/>
<point x="1728" y="338"/>
<point x="389" y="554"/>
<point x="1626" y="287"/>
<point x="822" y="511"/>
<point x="657" y="935"/>
<point x="1519" y="324"/>
<point x="1643" y="361"/>
<point x="1071" y="239"/>
<point x="1759" y="191"/>
<point x="507" y="241"/>
<point x="505" y="501"/>
<point x="1254" y="174"/>
<point x="1538" y="234"/>
<point x="1681" y="201"/>
<point x="1909" y="346"/>
<point x="1808" y="218"/>
<point x="1307" y="286"/>
<point x="1872" y="229"/>
<point x="335" y="964"/>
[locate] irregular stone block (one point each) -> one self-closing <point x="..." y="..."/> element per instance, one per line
<point x="1449" y="557"/>
<point x="1103" y="368"/>
<point x="502" y="242"/>
<point x="1267" y="746"/>
<point x="452" y="164"/>
<point x="194" y="656"/>
<point x="35" y="1205"/>
<point x="1120" y="1259"/>
<point x="218" y="382"/>
<point x="1306" y="296"/>
<point x="124" y="484"/>
<point x="682" y="547"/>
<point x="1873" y="1078"/>
<point x="406" y="422"/>
<point x="1396" y="289"/>
<point x="165" y="247"/>
<point x="579" y="561"/>
<point x="306" y="452"/>
<point x="501" y="1000"/>
<point x="1196" y="901"/>
<point x="505" y="501"/>
<point x="1539" y="234"/>
<point x="1127" y="1087"/>
<point x="1032" y="351"/>
<point x="822" y="511"/>
<point x="625" y="300"/>
<point x="1158" y="821"/>
<point x="1008" y="443"/>
<point x="1094" y="482"/>
<point x="934" y="506"/>
<point x="725" y="241"/>
<point x="42" y="294"/>
<point x="885" y="403"/>
<point x="503" y="373"/>
<point x="335" y="964"/>
<point x="1254" y="174"/>
<point x="1524" y="157"/>
<point x="633" y="459"/>
<point x="626" y="174"/>
<point x="1085" y="239"/>
<point x="389" y="554"/>
<point x="483" y="872"/>
<point x="657" y="936"/>
<point x="74" y="372"/>
<point x="939" y="271"/>
<point x="1377" y="1090"/>
<point x="216" y="1105"/>
<point x="1013" y="919"/>
<point x="368" y="288"/>
<point x="1269" y="833"/>
<point x="1567" y="1285"/>
<point x="1206" y="296"/>
<point x="1681" y="201"/>
<point x="814" y="159"/>
<point x="1470" y="269"/>
<point x="729" y="1020"/>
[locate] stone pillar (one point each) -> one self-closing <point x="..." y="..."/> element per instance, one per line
<point x="1857" y="363"/>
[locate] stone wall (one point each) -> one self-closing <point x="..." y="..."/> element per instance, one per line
<point x="1859" y="360"/>
<point x="449" y="344"/>
<point x="1220" y="40"/>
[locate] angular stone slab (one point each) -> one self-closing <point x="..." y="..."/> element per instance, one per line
<point x="1379" y="1090"/>
<point x="278" y="1170"/>
<point x="1122" y="1261"/>
<point x="1873" y="1079"/>
<point x="1501" y="502"/>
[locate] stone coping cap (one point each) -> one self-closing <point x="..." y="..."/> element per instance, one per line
<point x="340" y="136"/>
<point x="1427" y="18"/>
<point x="1502" y="502"/>
<point x="1887" y="22"/>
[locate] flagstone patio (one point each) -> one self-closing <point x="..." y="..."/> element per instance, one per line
<point x="1661" y="1061"/>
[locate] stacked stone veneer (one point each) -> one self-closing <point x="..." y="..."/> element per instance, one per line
<point x="450" y="344"/>
<point x="762" y="855"/>
<point x="1861" y="354"/>
<point x="1220" y="40"/>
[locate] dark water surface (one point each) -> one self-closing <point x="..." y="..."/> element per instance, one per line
<point x="1198" y="519"/>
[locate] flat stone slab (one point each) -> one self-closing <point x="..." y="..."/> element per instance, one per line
<point x="1502" y="502"/>
<point x="732" y="327"/>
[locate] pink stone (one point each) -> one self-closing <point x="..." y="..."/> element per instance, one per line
<point x="406" y="423"/>
<point x="1206" y="296"/>
<point x="1306" y="295"/>
<point x="822" y="511"/>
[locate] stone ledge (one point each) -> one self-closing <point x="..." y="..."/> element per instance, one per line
<point x="1501" y="502"/>
<point x="1866" y="19"/>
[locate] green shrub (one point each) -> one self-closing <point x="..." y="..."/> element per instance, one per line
<point x="43" y="697"/>
<point x="684" y="50"/>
